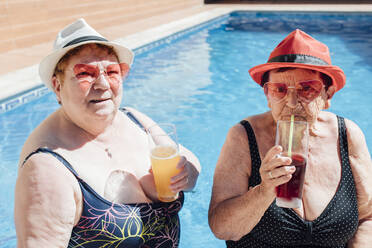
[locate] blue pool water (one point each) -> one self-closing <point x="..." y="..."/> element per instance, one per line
<point x="199" y="81"/>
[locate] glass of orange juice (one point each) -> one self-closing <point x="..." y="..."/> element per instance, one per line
<point x="164" y="154"/>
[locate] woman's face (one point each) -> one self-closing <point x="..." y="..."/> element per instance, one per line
<point x="294" y="101"/>
<point x="99" y="97"/>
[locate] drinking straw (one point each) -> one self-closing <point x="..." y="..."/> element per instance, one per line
<point x="290" y="136"/>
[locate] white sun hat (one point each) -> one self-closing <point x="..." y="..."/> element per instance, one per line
<point x="71" y="36"/>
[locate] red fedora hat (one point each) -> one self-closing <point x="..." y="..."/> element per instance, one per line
<point x="300" y="50"/>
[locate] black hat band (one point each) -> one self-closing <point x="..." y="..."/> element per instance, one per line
<point x="84" y="38"/>
<point x="298" y="58"/>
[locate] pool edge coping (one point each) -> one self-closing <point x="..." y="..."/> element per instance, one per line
<point x="19" y="86"/>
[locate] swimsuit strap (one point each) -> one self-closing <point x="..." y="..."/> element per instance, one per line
<point x="344" y="151"/>
<point x="57" y="156"/>
<point x="346" y="172"/>
<point x="255" y="178"/>
<point x="133" y="118"/>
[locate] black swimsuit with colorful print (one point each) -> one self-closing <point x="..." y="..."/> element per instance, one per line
<point x="284" y="228"/>
<point x="108" y="225"/>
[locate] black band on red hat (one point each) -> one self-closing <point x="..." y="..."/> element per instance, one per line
<point x="84" y="38"/>
<point x="298" y="58"/>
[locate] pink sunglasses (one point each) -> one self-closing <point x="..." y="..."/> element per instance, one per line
<point x="306" y="90"/>
<point x="90" y="73"/>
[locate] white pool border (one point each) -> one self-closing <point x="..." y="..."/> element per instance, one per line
<point x="18" y="87"/>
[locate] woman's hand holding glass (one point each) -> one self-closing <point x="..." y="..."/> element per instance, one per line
<point x="275" y="170"/>
<point x="181" y="181"/>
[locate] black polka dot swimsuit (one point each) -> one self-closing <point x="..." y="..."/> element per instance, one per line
<point x="284" y="228"/>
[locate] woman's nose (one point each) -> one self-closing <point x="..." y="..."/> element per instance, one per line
<point x="292" y="97"/>
<point x="101" y="82"/>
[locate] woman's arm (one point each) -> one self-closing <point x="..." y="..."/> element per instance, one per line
<point x="45" y="205"/>
<point x="234" y="209"/>
<point x="361" y="165"/>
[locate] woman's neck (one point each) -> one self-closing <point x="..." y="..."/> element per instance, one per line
<point x="316" y="128"/>
<point x="100" y="130"/>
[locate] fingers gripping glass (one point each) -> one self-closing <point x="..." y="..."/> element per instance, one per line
<point x="306" y="90"/>
<point x="90" y="72"/>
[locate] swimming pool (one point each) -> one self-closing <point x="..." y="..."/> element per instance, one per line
<point x="199" y="80"/>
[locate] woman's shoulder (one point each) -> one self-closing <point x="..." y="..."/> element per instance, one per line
<point x="260" y="121"/>
<point x="352" y="128"/>
<point x="260" y="118"/>
<point x="238" y="132"/>
<point x="332" y="119"/>
<point x="42" y="136"/>
<point x="356" y="139"/>
<point x="134" y="112"/>
<point x="144" y="119"/>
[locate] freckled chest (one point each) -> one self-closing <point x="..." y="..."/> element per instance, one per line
<point x="323" y="174"/>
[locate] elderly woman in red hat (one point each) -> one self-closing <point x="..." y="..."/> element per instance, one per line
<point x="336" y="209"/>
<point x="84" y="178"/>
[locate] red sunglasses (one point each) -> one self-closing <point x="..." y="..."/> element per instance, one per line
<point x="306" y="90"/>
<point x="90" y="73"/>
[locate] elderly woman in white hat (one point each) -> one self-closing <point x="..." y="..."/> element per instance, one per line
<point x="336" y="209"/>
<point x="84" y="178"/>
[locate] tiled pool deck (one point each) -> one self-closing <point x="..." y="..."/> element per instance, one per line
<point x="17" y="77"/>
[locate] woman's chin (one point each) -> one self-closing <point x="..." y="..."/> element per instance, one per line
<point x="104" y="110"/>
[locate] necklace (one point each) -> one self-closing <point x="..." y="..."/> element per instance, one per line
<point x="107" y="150"/>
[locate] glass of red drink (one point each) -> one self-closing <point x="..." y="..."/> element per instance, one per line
<point x="294" y="141"/>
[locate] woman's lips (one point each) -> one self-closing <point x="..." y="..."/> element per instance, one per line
<point x="99" y="100"/>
